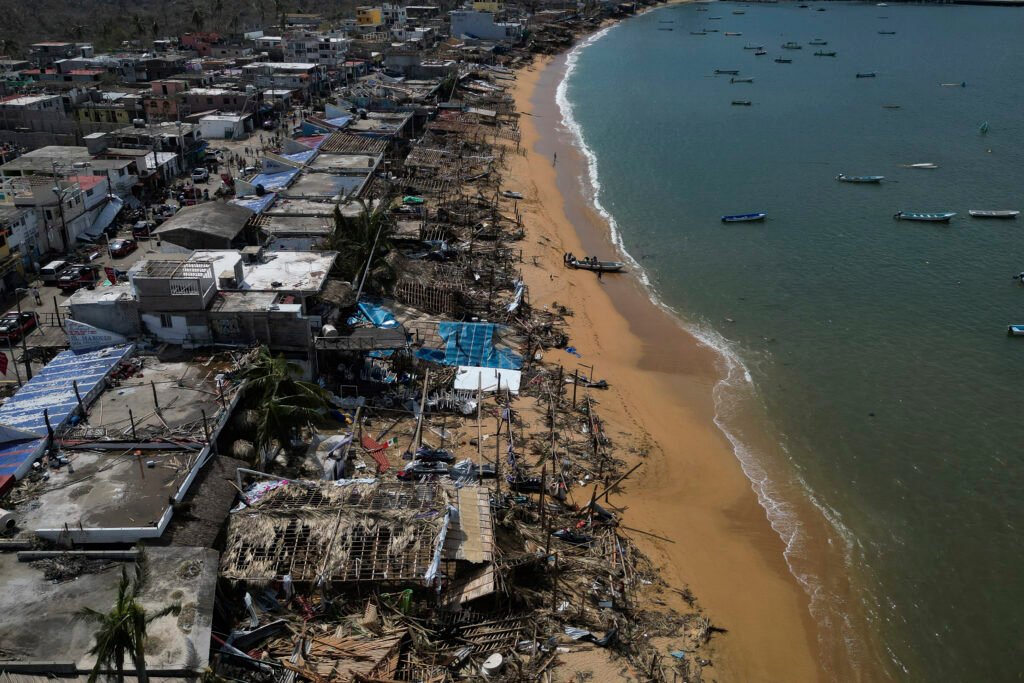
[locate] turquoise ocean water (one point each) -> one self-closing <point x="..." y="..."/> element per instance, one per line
<point x="876" y="349"/>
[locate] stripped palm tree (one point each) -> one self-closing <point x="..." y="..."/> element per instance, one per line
<point x="283" y="403"/>
<point x="122" y="630"/>
<point x="362" y="242"/>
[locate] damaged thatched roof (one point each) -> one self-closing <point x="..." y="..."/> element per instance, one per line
<point x="343" y="531"/>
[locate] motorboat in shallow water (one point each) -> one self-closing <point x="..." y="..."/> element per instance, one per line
<point x="843" y="178"/>
<point x="933" y="217"/>
<point x="744" y="217"/>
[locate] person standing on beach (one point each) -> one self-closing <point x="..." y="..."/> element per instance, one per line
<point x="554" y="159"/>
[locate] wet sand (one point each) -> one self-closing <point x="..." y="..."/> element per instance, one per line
<point x="691" y="488"/>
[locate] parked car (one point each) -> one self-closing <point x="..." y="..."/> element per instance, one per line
<point x="143" y="228"/>
<point x="77" y="276"/>
<point x="200" y="175"/>
<point x="14" y="325"/>
<point x="122" y="247"/>
<point x="416" y="469"/>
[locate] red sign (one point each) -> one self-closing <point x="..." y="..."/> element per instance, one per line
<point x="111" y="275"/>
<point x="3" y="363"/>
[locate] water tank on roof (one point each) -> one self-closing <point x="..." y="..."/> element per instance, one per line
<point x="139" y="123"/>
<point x="329" y="331"/>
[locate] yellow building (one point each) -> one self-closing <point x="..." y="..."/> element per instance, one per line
<point x="493" y="7"/>
<point x="369" y="16"/>
<point x="103" y="112"/>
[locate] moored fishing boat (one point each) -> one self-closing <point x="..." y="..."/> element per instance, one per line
<point x="739" y="11"/>
<point x="698" y="33"/>
<point x="792" y="46"/>
<point x="729" y="72"/>
<point x="842" y="177"/>
<point x="747" y="79"/>
<point x="887" y="33"/>
<point x="925" y="165"/>
<point x="866" y="74"/>
<point x="1015" y="330"/>
<point x="741" y="103"/>
<point x="890" y="106"/>
<point x="761" y="52"/>
<point x="744" y="217"/>
<point x="783" y="60"/>
<point x="732" y="33"/>
<point x="825" y="53"/>
<point x="592" y="264"/>
<point x="817" y="41"/>
<point x="753" y="47"/>
<point x="933" y="217"/>
<point x="994" y="213"/>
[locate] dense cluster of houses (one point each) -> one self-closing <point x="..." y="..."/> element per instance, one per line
<point x="259" y="172"/>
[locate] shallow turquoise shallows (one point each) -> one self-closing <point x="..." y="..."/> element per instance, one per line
<point x="877" y="348"/>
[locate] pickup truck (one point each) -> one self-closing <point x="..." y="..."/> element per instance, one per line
<point x="77" y="276"/>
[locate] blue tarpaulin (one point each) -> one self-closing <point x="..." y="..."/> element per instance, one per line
<point x="470" y="344"/>
<point x="53" y="389"/>
<point x="273" y="182"/>
<point x="300" y="157"/>
<point x="378" y="315"/>
<point x="256" y="203"/>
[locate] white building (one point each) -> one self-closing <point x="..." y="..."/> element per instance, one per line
<point x="225" y="126"/>
<point x="318" y="48"/>
<point x="482" y="25"/>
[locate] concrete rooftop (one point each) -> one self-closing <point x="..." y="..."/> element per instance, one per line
<point x="43" y="630"/>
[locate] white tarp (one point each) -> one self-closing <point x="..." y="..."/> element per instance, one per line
<point x="469" y="378"/>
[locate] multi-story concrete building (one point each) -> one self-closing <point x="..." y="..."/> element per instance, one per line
<point x="318" y="48"/>
<point x="483" y="26"/>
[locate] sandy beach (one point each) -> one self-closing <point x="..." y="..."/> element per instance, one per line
<point x="691" y="488"/>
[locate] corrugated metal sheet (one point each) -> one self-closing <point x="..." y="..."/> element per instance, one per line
<point x="53" y="390"/>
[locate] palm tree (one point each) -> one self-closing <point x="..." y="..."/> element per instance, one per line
<point x="362" y="241"/>
<point x="123" y="629"/>
<point x="283" y="403"/>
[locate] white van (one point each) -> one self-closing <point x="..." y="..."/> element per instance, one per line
<point x="51" y="270"/>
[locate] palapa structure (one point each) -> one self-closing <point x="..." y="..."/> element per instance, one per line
<point x="340" y="532"/>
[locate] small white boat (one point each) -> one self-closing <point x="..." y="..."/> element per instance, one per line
<point x="882" y="4"/>
<point x="1015" y="330"/>
<point x="928" y="166"/>
<point x="997" y="213"/>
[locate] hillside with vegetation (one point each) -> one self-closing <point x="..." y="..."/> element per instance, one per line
<point x="108" y="23"/>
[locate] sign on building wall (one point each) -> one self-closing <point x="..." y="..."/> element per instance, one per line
<point x="82" y="337"/>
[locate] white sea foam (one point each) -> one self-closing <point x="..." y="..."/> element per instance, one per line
<point x="734" y="389"/>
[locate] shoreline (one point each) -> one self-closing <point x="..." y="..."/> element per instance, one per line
<point x="663" y="379"/>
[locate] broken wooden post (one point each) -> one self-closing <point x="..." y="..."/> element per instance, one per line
<point x="131" y="420"/>
<point x="78" y="396"/>
<point x="575" y="384"/>
<point x="206" y="431"/>
<point x="543" y="508"/>
<point x="479" y="422"/>
<point x="156" y="402"/>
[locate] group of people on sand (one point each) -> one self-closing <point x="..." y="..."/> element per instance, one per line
<point x="569" y="257"/>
